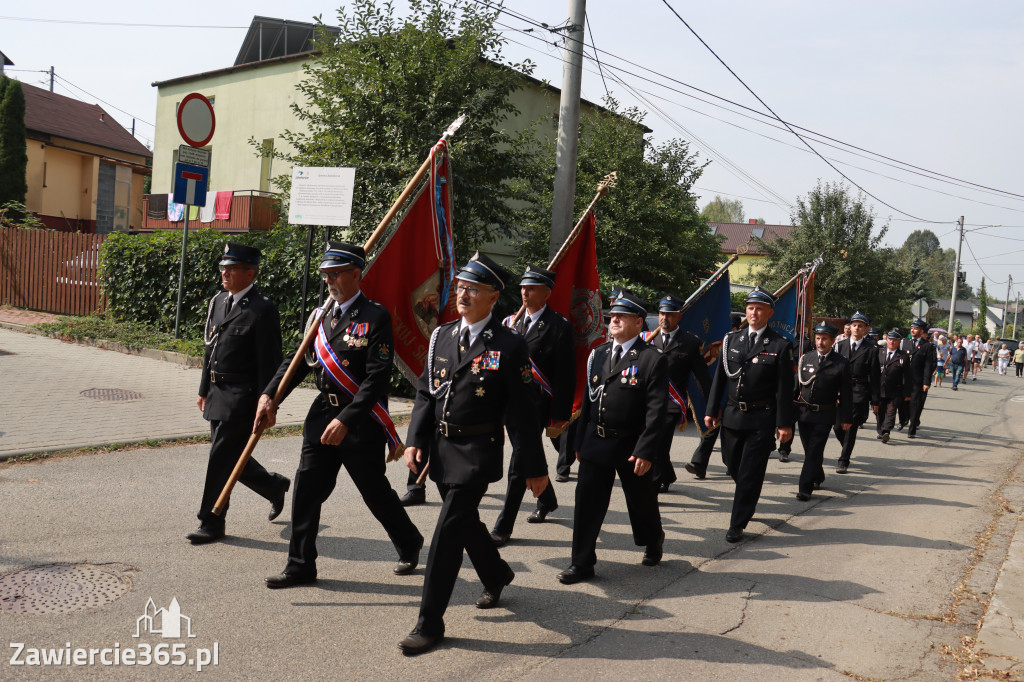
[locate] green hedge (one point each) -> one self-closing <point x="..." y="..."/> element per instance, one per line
<point x="139" y="273"/>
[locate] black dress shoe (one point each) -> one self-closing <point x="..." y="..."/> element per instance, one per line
<point x="489" y="599"/>
<point x="277" y="504"/>
<point x="817" y="484"/>
<point x="537" y="516"/>
<point x="663" y="487"/>
<point x="276" y="582"/>
<point x="203" y="535"/>
<point x="783" y="456"/>
<point x="575" y="574"/>
<point x="408" y="561"/>
<point x="417" y="642"/>
<point x="696" y="471"/>
<point x="654" y="551"/>
<point x="562" y="478"/>
<point x="500" y="539"/>
<point x="803" y="497"/>
<point x="734" y="535"/>
<point x="899" y="427"/>
<point x="885" y="437"/>
<point x="414" y="497"/>
<point x="841" y="468"/>
<point x="911" y="435"/>
<point x="878" y="436"/>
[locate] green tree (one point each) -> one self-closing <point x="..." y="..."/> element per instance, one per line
<point x="721" y="210"/>
<point x="384" y="89"/>
<point x="650" y="237"/>
<point x="981" y="324"/>
<point x="931" y="267"/>
<point x="857" y="273"/>
<point x="13" y="151"/>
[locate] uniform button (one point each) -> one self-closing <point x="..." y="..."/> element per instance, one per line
<point x="447" y="414"/>
<point x="492" y="439"/>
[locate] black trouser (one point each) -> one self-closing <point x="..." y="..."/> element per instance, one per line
<point x="813" y="437"/>
<point x="915" y="407"/>
<point x="702" y="455"/>
<point x="547" y="501"/>
<point x="746" y="453"/>
<point x="315" y="479"/>
<point x="848" y="438"/>
<point x="786" y="446"/>
<point x="1020" y="368"/>
<point x="566" y="449"/>
<point x="594" y="494"/>
<point x="662" y="471"/>
<point x="887" y="408"/>
<point x="227" y="440"/>
<point x="458" y="528"/>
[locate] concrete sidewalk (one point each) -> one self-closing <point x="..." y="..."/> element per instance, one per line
<point x="884" y="570"/>
<point x="46" y="403"/>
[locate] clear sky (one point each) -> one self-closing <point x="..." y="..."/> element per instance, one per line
<point x="933" y="84"/>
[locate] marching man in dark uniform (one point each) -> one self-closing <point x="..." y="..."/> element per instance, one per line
<point x="822" y="400"/>
<point x="893" y="364"/>
<point x="786" y="446"/>
<point x="683" y="352"/>
<point x="348" y="423"/>
<point x="919" y="376"/>
<point x="243" y="348"/>
<point x="553" y="362"/>
<point x="755" y="377"/>
<point x="477" y="378"/>
<point x="619" y="433"/>
<point x="862" y="354"/>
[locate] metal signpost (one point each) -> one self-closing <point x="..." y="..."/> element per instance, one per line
<point x="196" y="123"/>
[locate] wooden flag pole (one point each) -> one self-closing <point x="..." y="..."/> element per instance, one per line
<point x="307" y="341"/>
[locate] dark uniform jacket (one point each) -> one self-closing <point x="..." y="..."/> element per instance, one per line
<point x="684" y="355"/>
<point x="864" y="370"/>
<point x="489" y="387"/>
<point x="363" y="343"/>
<point x="764" y="383"/>
<point x="823" y="391"/>
<point x="243" y="350"/>
<point x="922" y="362"/>
<point x="625" y="402"/>
<point x="893" y="374"/>
<point x="552" y="349"/>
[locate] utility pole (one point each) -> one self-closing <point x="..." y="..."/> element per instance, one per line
<point x="1006" y="302"/>
<point x="51" y="79"/>
<point x="568" y="128"/>
<point x="1016" y="312"/>
<point x="956" y="277"/>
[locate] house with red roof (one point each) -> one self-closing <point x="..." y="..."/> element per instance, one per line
<point x="85" y="171"/>
<point x="746" y="241"/>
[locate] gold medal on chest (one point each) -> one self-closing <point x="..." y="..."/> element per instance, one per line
<point x="594" y="379"/>
<point x="480" y="392"/>
<point x="475" y="369"/>
<point x="444" y="372"/>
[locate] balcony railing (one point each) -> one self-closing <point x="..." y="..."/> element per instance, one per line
<point x="250" y="210"/>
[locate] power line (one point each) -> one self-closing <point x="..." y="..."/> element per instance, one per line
<point x="596" y="59"/>
<point x="140" y="120"/>
<point x="933" y="175"/>
<point x="115" y="23"/>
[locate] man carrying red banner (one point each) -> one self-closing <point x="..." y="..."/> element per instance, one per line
<point x="348" y="422"/>
<point x="549" y="337"/>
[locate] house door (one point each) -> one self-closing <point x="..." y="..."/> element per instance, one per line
<point x="113" y="195"/>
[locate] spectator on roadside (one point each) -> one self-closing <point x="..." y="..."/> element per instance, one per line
<point x="958" y="361"/>
<point x="986" y="353"/>
<point x="1018" y="359"/>
<point x="942" y="347"/>
<point x="974" y="355"/>
<point x="1003" y="358"/>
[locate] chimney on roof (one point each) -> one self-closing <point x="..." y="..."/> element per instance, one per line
<point x="101" y="117"/>
<point x="752" y="221"/>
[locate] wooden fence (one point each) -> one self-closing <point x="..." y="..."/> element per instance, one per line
<point x="56" y="272"/>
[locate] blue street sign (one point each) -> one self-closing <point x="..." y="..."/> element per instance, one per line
<point x="190" y="184"/>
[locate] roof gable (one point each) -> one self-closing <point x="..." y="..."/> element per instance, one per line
<point x="52" y="114"/>
<point x="738" y="234"/>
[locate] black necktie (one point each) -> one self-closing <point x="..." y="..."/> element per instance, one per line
<point x="464" y="342"/>
<point x="616" y="354"/>
<point x="753" y="339"/>
<point x="888" y="357"/>
<point x="853" y="347"/>
<point x="526" y="324"/>
<point x="820" y="359"/>
<point x="664" y="340"/>
<point x="231" y="300"/>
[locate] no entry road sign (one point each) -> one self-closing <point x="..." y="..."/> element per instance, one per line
<point x="196" y="121"/>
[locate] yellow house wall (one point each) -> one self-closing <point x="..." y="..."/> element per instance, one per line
<point x="34" y="176"/>
<point x="251" y="103"/>
<point x="743" y="270"/>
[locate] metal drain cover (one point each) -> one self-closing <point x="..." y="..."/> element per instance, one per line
<point x="110" y="394"/>
<point x="61" y="588"/>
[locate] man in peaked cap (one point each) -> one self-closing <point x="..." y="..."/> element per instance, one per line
<point x="684" y="357"/>
<point x="919" y="375"/>
<point x="755" y="381"/>
<point x="243" y="348"/>
<point x="549" y="338"/>
<point x="862" y="354"/>
<point x="893" y="364"/>
<point x="347" y="424"/>
<point x="477" y="376"/>
<point x="822" y="400"/>
<point x="619" y="433"/>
